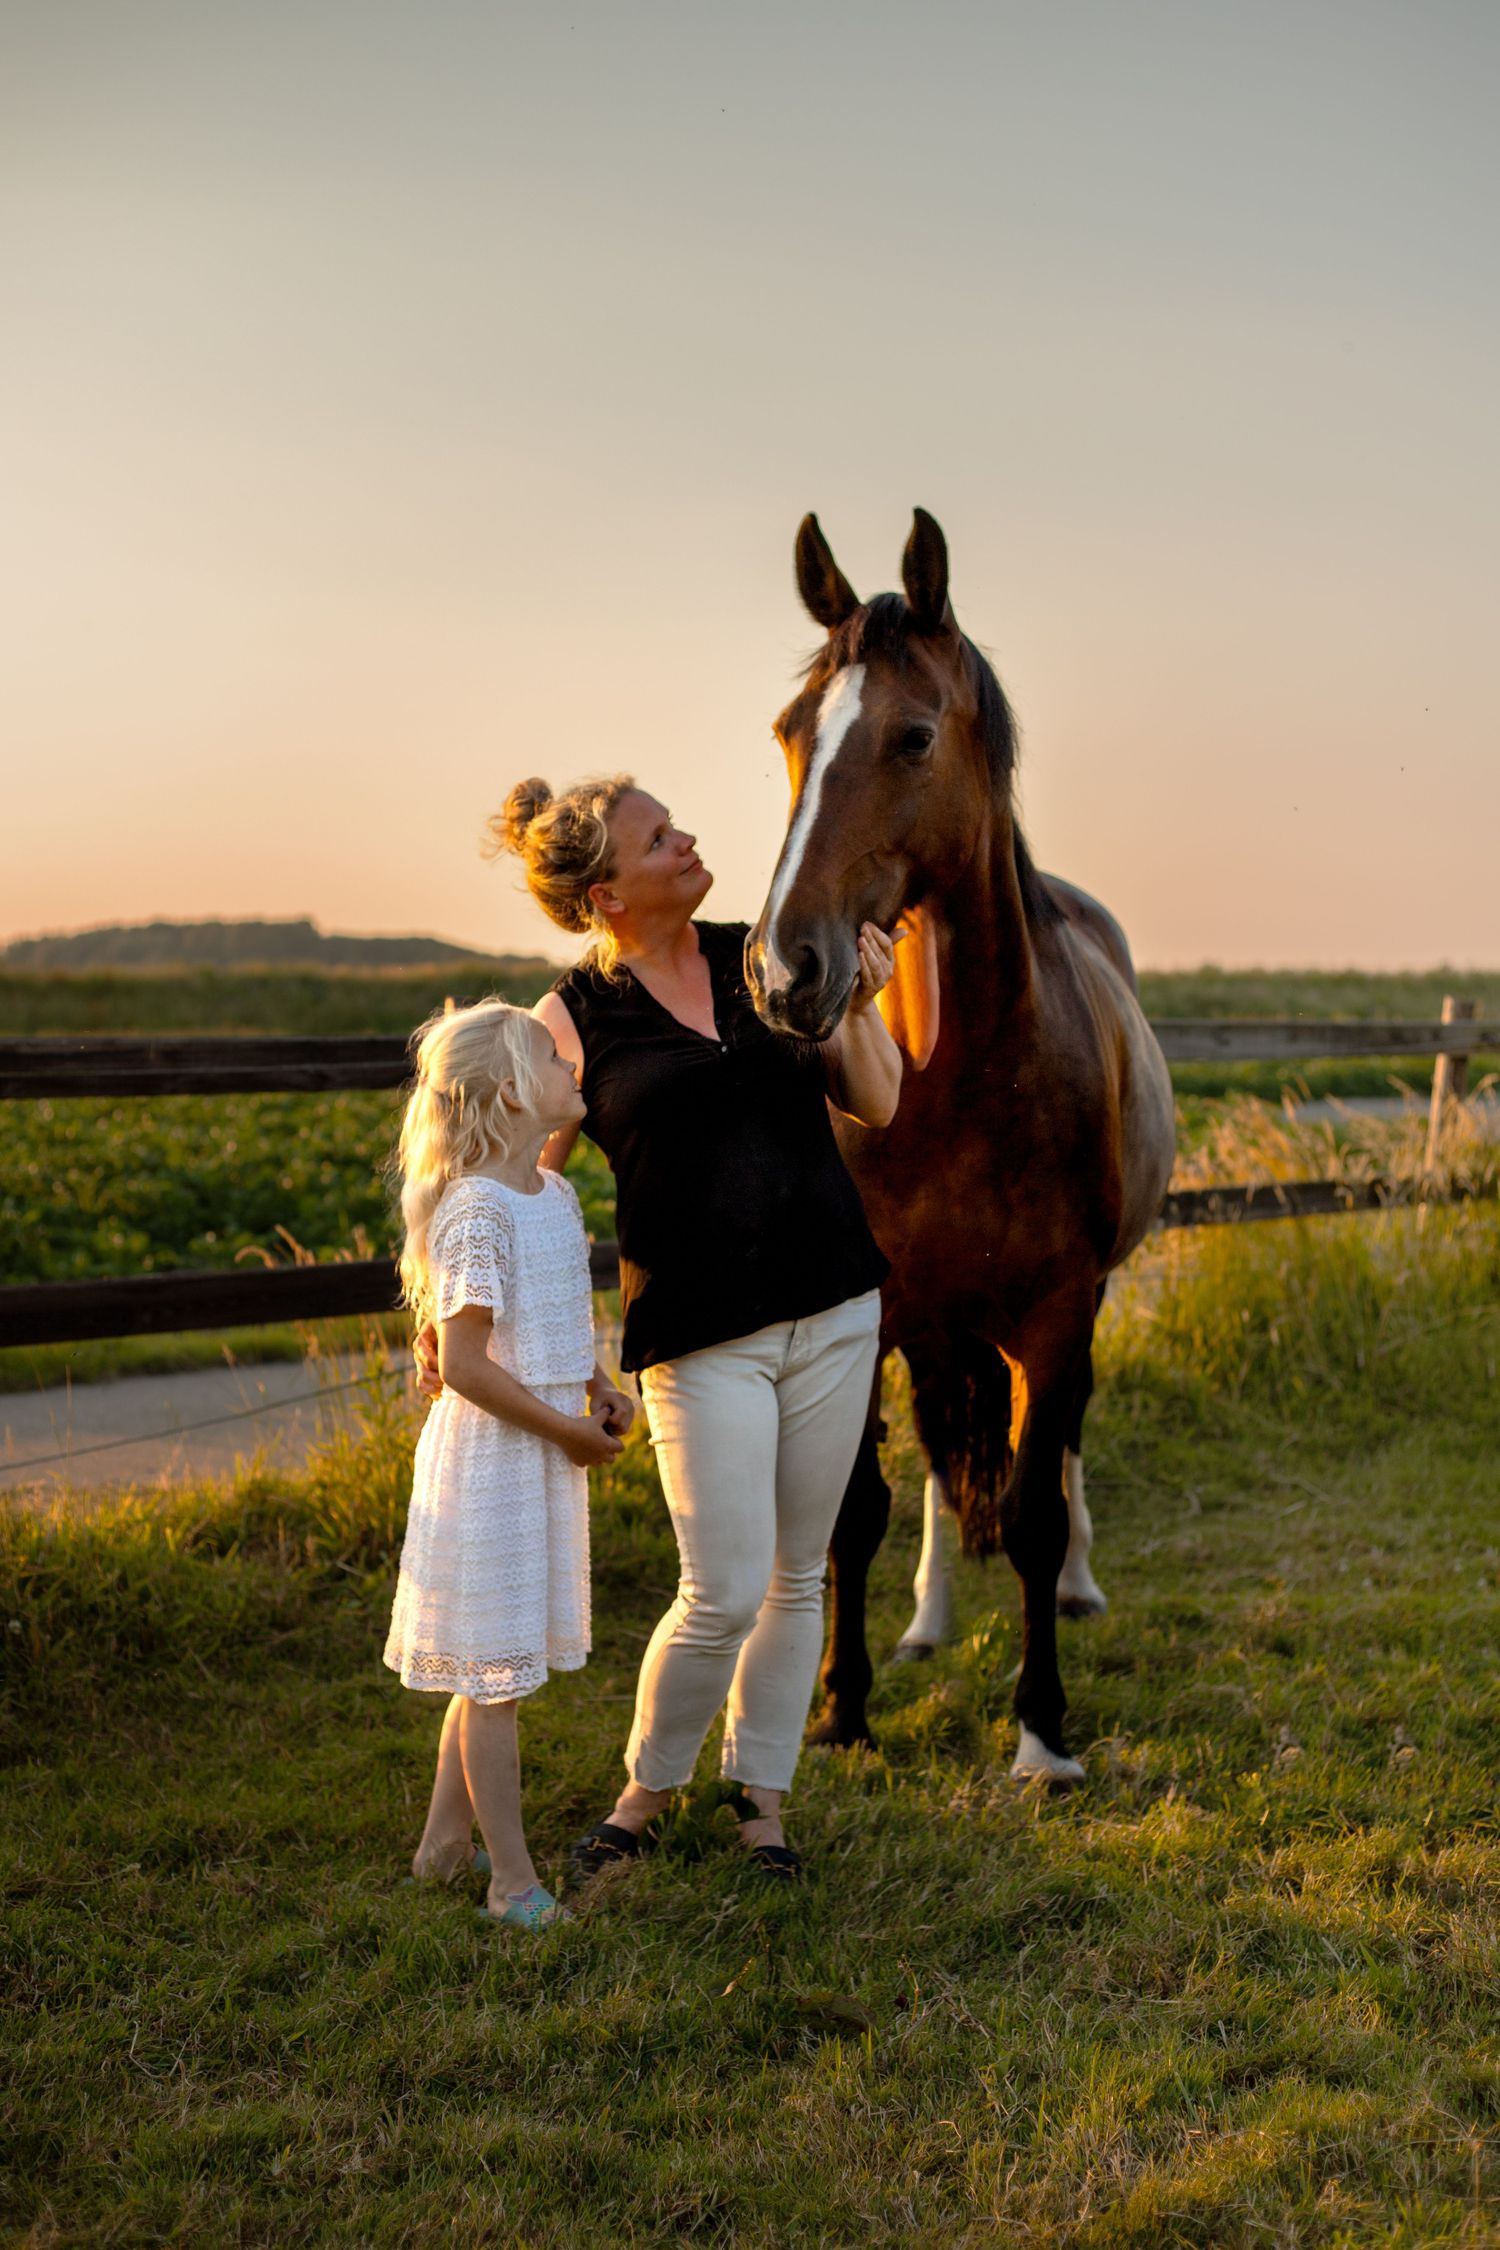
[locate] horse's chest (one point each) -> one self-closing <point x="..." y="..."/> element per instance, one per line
<point x="975" y="1194"/>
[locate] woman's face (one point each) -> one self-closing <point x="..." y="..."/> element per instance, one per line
<point x="657" y="870"/>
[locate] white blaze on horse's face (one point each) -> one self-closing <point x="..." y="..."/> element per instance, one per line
<point x="836" y="715"/>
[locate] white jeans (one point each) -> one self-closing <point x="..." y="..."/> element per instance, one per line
<point x="754" y="1443"/>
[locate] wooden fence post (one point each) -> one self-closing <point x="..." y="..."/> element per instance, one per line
<point x="1450" y="1081"/>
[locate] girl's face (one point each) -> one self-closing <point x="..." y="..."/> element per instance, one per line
<point x="558" y="1099"/>
<point x="657" y="871"/>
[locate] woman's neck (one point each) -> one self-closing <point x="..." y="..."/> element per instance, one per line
<point x="664" y="950"/>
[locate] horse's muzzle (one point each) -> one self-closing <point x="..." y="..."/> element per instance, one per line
<point x="805" y="996"/>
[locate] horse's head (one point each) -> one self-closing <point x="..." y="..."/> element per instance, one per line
<point x="899" y="747"/>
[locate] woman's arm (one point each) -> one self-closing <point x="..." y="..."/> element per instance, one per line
<point x="862" y="1060"/>
<point x="465" y="1366"/>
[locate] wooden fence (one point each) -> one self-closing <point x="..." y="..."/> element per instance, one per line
<point x="148" y="1304"/>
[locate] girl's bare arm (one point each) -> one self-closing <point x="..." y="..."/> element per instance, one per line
<point x="465" y="1366"/>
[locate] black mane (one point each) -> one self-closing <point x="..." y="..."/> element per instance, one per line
<point x="881" y="630"/>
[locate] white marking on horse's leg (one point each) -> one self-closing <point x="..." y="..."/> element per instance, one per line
<point x="932" y="1619"/>
<point x="836" y="715"/>
<point x="1035" y="1762"/>
<point x="1078" y="1592"/>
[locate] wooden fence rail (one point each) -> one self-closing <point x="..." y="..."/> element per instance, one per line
<point x="239" y="1297"/>
<point x="62" y="1069"/>
<point x="153" y="1304"/>
<point x="158" y="1304"/>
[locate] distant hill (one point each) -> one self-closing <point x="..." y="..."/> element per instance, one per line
<point x="227" y="945"/>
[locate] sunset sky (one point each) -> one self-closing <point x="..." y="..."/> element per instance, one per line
<point x="399" y="400"/>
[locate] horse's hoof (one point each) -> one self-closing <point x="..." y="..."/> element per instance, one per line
<point x="913" y="1652"/>
<point x="830" y="1732"/>
<point x="1082" y="1604"/>
<point x="1052" y="1768"/>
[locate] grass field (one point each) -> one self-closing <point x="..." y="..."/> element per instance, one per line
<point x="296" y="1003"/>
<point x="1239" y="1990"/>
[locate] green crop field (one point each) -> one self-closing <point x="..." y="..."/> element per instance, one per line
<point x="295" y="1003"/>
<point x="1237" y="1991"/>
<point x="105" y="1187"/>
<point x="311" y="1001"/>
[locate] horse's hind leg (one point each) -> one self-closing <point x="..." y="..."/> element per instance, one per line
<point x="945" y="1395"/>
<point x="862" y="1520"/>
<point x="1078" y="1591"/>
<point x="932" y="1619"/>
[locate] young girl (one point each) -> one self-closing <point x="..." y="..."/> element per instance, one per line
<point x="494" y="1585"/>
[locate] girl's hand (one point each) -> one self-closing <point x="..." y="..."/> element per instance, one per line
<point x="588" y="1441"/>
<point x="425" y="1352"/>
<point x="618" y="1405"/>
<point x="877" y="965"/>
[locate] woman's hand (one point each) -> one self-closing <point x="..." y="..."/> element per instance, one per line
<point x="588" y="1440"/>
<point x="425" y="1352"/>
<point x="877" y="965"/>
<point x="618" y="1406"/>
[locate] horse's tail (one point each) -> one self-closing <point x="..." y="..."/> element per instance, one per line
<point x="962" y="1404"/>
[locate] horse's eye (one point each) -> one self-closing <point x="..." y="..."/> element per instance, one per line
<point x="915" y="742"/>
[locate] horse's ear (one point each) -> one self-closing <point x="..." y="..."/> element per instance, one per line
<point x="924" y="573"/>
<point x="826" y="591"/>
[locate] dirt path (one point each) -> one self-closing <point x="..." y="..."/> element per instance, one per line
<point x="170" y="1429"/>
<point x="91" y="1438"/>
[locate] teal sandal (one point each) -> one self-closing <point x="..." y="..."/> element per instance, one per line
<point x="535" y="1909"/>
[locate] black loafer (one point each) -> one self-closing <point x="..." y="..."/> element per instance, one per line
<point x="604" y="1846"/>
<point x="777" y="1861"/>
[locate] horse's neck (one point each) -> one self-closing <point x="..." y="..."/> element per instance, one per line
<point x="986" y="957"/>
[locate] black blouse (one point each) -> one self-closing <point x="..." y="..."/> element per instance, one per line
<point x="733" y="1205"/>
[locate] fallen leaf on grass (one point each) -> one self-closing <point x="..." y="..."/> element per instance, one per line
<point x="833" y="2013"/>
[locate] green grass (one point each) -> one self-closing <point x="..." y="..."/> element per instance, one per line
<point x="1239" y="1990"/>
<point x="1321" y="994"/>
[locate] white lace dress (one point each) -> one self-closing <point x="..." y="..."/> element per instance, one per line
<point x="494" y="1585"/>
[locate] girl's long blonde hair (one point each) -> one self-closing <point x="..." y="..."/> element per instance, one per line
<point x="455" y="1118"/>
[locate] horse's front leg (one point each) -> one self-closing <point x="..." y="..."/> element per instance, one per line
<point x="1079" y="1593"/>
<point x="847" y="1674"/>
<point x="1034" y="1532"/>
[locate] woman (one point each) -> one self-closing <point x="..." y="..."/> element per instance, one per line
<point x="750" y="1280"/>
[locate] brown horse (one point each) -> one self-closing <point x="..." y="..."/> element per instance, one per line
<point x="1034" y="1138"/>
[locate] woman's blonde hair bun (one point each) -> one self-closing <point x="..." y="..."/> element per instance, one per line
<point x="563" y="844"/>
<point x="516" y="815"/>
